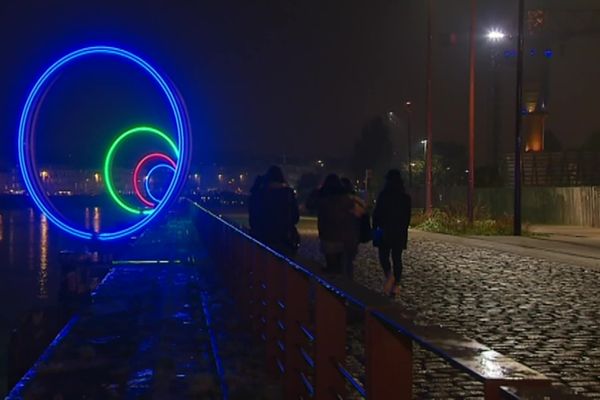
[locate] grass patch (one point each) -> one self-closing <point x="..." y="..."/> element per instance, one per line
<point x="454" y="221"/>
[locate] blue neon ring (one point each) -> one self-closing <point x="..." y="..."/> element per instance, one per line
<point x="147" y="179"/>
<point x="24" y="143"/>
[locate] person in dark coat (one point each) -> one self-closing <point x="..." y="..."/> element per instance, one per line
<point x="337" y="225"/>
<point x="279" y="212"/>
<point x="391" y="218"/>
<point x="255" y="209"/>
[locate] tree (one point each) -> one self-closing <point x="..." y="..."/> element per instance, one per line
<point x="551" y="142"/>
<point x="592" y="143"/>
<point x="449" y="163"/>
<point x="373" y="150"/>
<point x="306" y="184"/>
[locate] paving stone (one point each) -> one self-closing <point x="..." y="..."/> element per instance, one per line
<point x="543" y="314"/>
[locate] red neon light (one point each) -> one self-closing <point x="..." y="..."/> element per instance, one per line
<point x="138" y="168"/>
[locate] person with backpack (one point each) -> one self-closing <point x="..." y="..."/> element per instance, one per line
<point x="391" y="218"/>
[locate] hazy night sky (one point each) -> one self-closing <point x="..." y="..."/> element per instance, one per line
<point x="270" y="77"/>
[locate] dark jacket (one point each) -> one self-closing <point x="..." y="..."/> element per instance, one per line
<point x="278" y="214"/>
<point x="392" y="216"/>
<point x="336" y="221"/>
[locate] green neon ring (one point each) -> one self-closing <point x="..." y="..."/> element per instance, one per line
<point x="109" y="160"/>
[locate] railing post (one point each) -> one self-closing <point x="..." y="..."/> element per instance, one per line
<point x="296" y="313"/>
<point x="272" y="333"/>
<point x="245" y="278"/>
<point x="389" y="367"/>
<point x="330" y="344"/>
<point x="257" y="292"/>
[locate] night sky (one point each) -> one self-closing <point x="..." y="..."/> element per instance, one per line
<point x="267" y="78"/>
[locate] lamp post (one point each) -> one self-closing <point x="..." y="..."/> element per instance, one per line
<point x="471" y="175"/>
<point x="518" y="107"/>
<point x="429" y="119"/>
<point x="425" y="153"/>
<point x="408" y="108"/>
<point x="495" y="36"/>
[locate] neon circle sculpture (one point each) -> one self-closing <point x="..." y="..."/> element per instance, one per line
<point x="25" y="148"/>
<point x="110" y="156"/>
<point x="147" y="178"/>
<point x="138" y="169"/>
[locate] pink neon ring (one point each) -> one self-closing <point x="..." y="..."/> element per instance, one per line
<point x="138" y="168"/>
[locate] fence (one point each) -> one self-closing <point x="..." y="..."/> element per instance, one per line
<point x="302" y="319"/>
<point x="540" y="205"/>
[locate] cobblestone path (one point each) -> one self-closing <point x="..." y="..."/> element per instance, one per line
<point x="540" y="313"/>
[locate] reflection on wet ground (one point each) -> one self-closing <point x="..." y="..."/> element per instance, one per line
<point x="29" y="266"/>
<point x="161" y="330"/>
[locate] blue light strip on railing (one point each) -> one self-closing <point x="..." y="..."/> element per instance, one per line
<point x="280" y="365"/>
<point x="308" y="334"/>
<point x="350" y="379"/>
<point x="17" y="391"/>
<point x="307" y="357"/>
<point x="307" y="385"/>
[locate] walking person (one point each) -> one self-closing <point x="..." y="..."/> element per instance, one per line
<point x="336" y="224"/>
<point x="391" y="218"/>
<point x="278" y="214"/>
<point x="357" y="234"/>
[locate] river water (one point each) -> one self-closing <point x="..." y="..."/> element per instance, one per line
<point x="29" y="266"/>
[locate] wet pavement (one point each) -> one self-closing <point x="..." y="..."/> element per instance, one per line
<point x="162" y="330"/>
<point x="541" y="313"/>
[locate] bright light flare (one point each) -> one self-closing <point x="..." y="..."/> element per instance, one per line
<point x="495" y="35"/>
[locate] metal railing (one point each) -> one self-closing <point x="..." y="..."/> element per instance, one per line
<point x="302" y="318"/>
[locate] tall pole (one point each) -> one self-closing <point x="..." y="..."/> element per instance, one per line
<point x="428" y="160"/>
<point x="518" y="108"/>
<point x="408" y="105"/>
<point x="471" y="176"/>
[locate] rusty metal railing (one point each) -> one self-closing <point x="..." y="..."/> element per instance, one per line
<point x="302" y="319"/>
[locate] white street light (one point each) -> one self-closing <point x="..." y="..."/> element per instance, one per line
<point x="495" y="35"/>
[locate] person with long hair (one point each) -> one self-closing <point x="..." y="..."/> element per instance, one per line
<point x="391" y="219"/>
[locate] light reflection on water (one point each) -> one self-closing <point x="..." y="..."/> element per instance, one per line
<point x="31" y="241"/>
<point x="29" y="258"/>
<point x="43" y="273"/>
<point x="97" y="219"/>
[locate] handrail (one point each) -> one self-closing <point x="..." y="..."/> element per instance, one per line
<point x="390" y="330"/>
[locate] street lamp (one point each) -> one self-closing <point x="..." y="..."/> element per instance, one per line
<point x="424" y="143"/>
